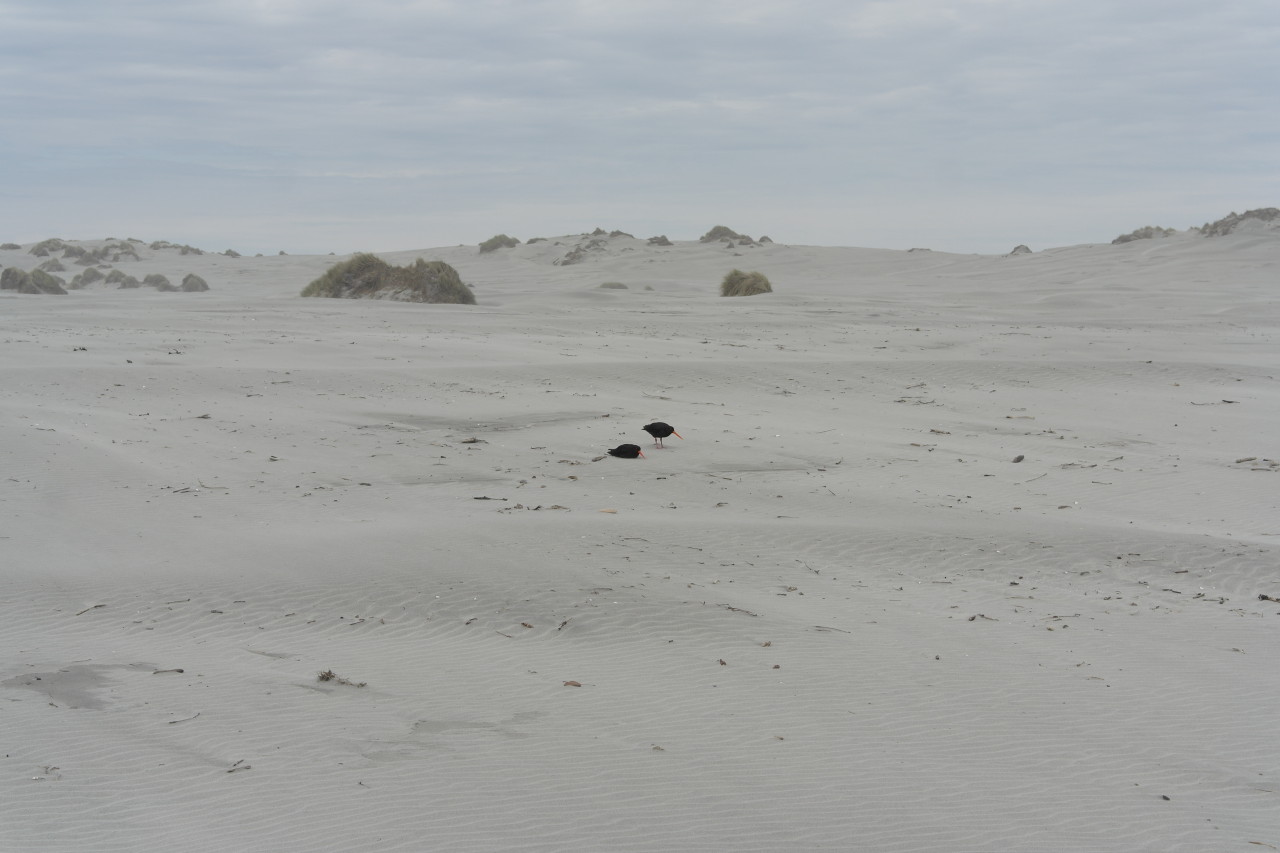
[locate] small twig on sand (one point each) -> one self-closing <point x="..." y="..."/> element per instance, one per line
<point x="87" y="609"/>
<point x="184" y="719"/>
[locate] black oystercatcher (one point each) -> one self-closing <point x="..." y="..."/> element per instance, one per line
<point x="627" y="451"/>
<point x="659" y="431"/>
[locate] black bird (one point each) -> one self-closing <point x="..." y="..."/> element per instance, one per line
<point x="627" y="451"/>
<point x="659" y="431"/>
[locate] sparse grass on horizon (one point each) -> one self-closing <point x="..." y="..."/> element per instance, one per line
<point x="720" y="232"/>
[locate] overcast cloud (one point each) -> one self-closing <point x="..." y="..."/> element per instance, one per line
<point x="317" y="126"/>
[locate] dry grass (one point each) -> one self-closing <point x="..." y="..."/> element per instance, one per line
<point x="498" y="241"/>
<point x="739" y="283"/>
<point x="366" y="276"/>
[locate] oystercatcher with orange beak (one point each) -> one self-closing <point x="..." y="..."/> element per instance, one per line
<point x="659" y="431"/>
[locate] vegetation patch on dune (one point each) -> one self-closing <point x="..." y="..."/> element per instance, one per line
<point x="498" y="241"/>
<point x="1234" y="220"/>
<point x="366" y="276"/>
<point x="123" y="280"/>
<point x="739" y="283"/>
<point x="1149" y="232"/>
<point x="86" y="278"/>
<point x="720" y="232"/>
<point x="730" y="237"/>
<point x="35" y="282"/>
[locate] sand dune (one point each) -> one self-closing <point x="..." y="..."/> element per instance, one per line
<point x="958" y="553"/>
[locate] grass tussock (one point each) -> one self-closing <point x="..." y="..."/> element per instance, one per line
<point x="498" y="241"/>
<point x="1150" y="232"/>
<point x="1231" y="221"/>
<point x="366" y="276"/>
<point x="86" y="278"/>
<point x="721" y="232"/>
<point x="739" y="283"/>
<point x="44" y="247"/>
<point x="35" y="282"/>
<point x="45" y="282"/>
<point x="12" y="278"/>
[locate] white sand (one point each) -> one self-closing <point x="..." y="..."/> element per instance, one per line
<point x="838" y="615"/>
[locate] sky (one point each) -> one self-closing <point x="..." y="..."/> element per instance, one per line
<point x="311" y="126"/>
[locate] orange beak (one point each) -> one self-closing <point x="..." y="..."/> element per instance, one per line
<point x="641" y="454"/>
<point x="677" y="435"/>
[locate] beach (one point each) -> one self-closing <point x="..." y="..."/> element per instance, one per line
<point x="955" y="553"/>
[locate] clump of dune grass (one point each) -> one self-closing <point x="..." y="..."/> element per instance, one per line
<point x="1149" y="232"/>
<point x="193" y="283"/>
<point x="366" y="276"/>
<point x="117" y="277"/>
<point x="721" y="232"/>
<point x="612" y="285"/>
<point x="12" y="278"/>
<point x="739" y="283"/>
<point x="123" y="252"/>
<point x="45" y="282"/>
<point x="9" y="246"/>
<point x="35" y="282"/>
<point x="44" y="247"/>
<point x="1231" y="221"/>
<point x="86" y="278"/>
<point x="498" y="241"/>
<point x="158" y="281"/>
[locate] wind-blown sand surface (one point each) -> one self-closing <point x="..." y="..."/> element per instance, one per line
<point x="839" y="615"/>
